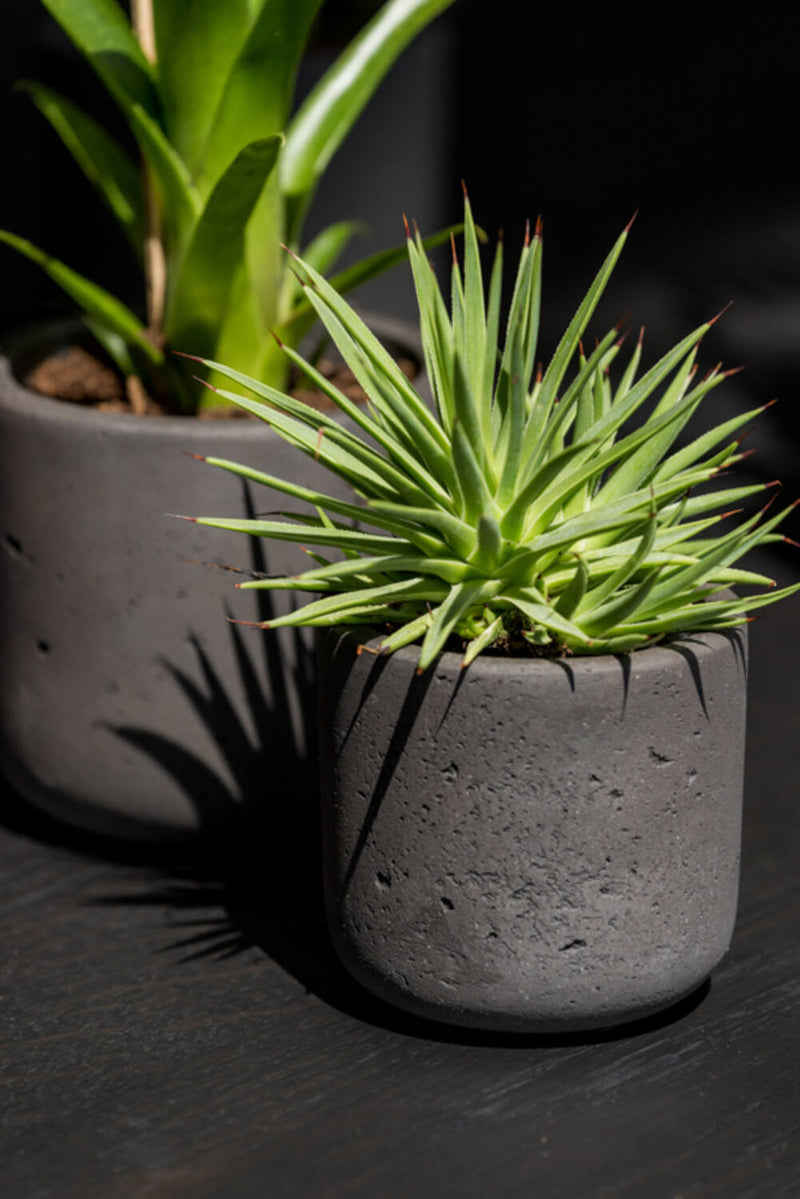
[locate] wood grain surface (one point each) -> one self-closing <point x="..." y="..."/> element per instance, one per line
<point x="181" y="1029"/>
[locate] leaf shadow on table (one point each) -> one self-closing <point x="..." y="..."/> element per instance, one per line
<point x="260" y="888"/>
<point x="254" y="883"/>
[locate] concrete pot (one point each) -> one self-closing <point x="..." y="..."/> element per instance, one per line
<point x="533" y="845"/>
<point x="128" y="704"/>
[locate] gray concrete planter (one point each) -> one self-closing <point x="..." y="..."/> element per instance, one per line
<point x="128" y="704"/>
<point x="533" y="845"/>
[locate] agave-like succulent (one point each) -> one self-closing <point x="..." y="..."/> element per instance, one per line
<point x="206" y="89"/>
<point x="528" y="502"/>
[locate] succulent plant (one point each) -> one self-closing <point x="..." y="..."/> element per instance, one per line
<point x="206" y="89"/>
<point x="528" y="504"/>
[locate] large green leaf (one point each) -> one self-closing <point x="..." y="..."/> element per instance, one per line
<point x="329" y="112"/>
<point x="99" y="156"/>
<point x="258" y="92"/>
<point x="180" y="200"/>
<point x="92" y="299"/>
<point x="198" y="303"/>
<point x="197" y="43"/>
<point x="100" y="31"/>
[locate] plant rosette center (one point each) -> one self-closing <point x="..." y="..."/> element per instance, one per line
<point x="558" y="503"/>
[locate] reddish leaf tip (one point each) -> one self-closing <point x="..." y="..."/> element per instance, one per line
<point x="721" y="312"/>
<point x="204" y="383"/>
<point x="250" y="624"/>
<point x="177" y="516"/>
<point x="538" y="228"/>
<point x="405" y="223"/>
<point x="630" y="222"/>
<point x="181" y="354"/>
<point x="198" y="457"/>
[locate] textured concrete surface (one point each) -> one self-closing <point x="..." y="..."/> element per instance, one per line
<point x="533" y="845"/>
<point x="128" y="704"/>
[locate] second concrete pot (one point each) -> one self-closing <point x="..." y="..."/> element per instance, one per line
<point x="129" y="706"/>
<point x="533" y="845"/>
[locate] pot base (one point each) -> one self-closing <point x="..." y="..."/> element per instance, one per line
<point x="533" y="846"/>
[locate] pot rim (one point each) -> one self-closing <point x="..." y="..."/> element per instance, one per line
<point x="27" y="339"/>
<point x="658" y="657"/>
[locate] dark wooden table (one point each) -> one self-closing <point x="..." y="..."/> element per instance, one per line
<point x="181" y="1029"/>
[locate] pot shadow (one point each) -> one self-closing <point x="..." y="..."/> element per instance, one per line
<point x="262" y="889"/>
<point x="272" y="902"/>
<point x="412" y="703"/>
<point x="278" y="757"/>
<point x="682" y="646"/>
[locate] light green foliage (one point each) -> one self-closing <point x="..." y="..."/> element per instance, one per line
<point x="207" y="87"/>
<point x="529" y="501"/>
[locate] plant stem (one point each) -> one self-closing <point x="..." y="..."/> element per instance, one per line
<point x="155" y="267"/>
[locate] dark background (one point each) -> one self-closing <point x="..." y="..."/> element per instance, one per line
<point x="687" y="114"/>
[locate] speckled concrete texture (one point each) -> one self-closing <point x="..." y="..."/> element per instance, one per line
<point x="533" y="845"/>
<point x="129" y="705"/>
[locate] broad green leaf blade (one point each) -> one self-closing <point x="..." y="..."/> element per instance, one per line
<point x="180" y="199"/>
<point x="328" y="113"/>
<point x="101" y="32"/>
<point x="258" y="91"/>
<point x="99" y="156"/>
<point x="197" y="43"/>
<point x="198" y="303"/>
<point x="93" y="300"/>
